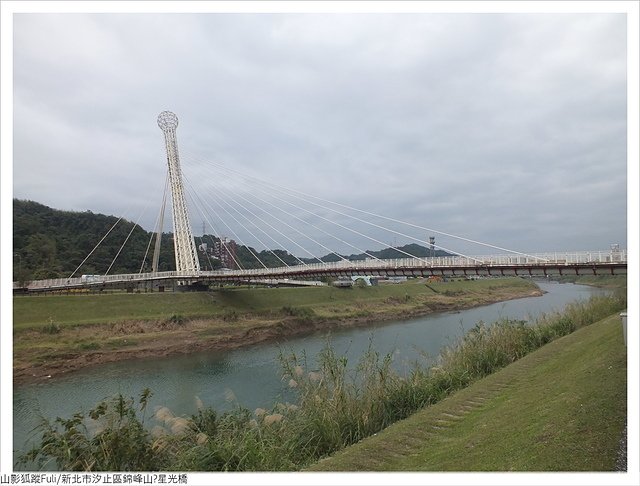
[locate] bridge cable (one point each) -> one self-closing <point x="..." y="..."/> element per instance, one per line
<point x="397" y="232"/>
<point x="126" y="239"/>
<point x="394" y="232"/>
<point x="331" y="252"/>
<point x="298" y="231"/>
<point x="408" y="224"/>
<point x="341" y="226"/>
<point x="217" y="215"/>
<point x="221" y="166"/>
<point x="326" y="232"/>
<point x="146" y="253"/>
<point x="246" y="246"/>
<point x="349" y="229"/>
<point x="372" y="224"/>
<point x="260" y="229"/>
<point x="156" y="249"/>
<point x="95" y="247"/>
<point x="157" y="229"/>
<point x="229" y="195"/>
<point x="215" y="228"/>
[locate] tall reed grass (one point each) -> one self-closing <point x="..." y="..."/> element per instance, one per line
<point x="337" y="405"/>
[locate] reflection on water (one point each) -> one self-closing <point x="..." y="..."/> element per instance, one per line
<point x="252" y="376"/>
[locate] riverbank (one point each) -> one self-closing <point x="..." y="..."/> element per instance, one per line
<point x="54" y="335"/>
<point x="560" y="408"/>
<point x="336" y="401"/>
<point x="599" y="281"/>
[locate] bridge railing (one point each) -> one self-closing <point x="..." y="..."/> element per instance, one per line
<point x="555" y="258"/>
<point x="542" y="259"/>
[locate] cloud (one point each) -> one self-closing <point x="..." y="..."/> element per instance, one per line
<point x="509" y="128"/>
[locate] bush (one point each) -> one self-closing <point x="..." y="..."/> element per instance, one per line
<point x="110" y="438"/>
<point x="88" y="346"/>
<point x="304" y="313"/>
<point x="52" y="327"/>
<point x="177" y="319"/>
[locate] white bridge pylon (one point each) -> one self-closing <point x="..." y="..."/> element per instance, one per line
<point x="185" y="247"/>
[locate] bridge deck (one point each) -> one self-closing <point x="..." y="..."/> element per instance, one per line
<point x="560" y="263"/>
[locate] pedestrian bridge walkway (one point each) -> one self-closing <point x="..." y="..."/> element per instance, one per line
<point x="604" y="262"/>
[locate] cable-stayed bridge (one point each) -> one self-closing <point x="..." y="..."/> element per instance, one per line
<point x="282" y="217"/>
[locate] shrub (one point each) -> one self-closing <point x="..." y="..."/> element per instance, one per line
<point x="88" y="346"/>
<point x="177" y="319"/>
<point x="52" y="327"/>
<point x="304" y="313"/>
<point x="110" y="438"/>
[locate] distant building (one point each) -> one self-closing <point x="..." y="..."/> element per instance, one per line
<point x="225" y="250"/>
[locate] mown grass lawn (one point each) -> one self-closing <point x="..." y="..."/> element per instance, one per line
<point x="41" y="310"/>
<point x="560" y="408"/>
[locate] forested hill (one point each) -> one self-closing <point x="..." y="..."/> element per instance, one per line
<point x="49" y="243"/>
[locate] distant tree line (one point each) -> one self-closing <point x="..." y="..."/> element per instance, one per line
<point x="50" y="243"/>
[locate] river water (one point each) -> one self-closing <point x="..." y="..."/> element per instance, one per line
<point x="251" y="376"/>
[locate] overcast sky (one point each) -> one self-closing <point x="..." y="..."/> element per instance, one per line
<point x="505" y="128"/>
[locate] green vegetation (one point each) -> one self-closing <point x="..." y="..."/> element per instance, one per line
<point x="397" y="252"/>
<point x="123" y="444"/>
<point x="338" y="406"/>
<point x="51" y="331"/>
<point x="49" y="243"/>
<point x="602" y="281"/>
<point x="561" y="408"/>
<point x="51" y="327"/>
<point x="36" y="311"/>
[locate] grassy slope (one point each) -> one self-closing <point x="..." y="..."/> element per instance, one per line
<point x="37" y="311"/>
<point x="604" y="281"/>
<point x="561" y="408"/>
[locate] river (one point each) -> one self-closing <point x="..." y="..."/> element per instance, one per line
<point x="251" y="376"/>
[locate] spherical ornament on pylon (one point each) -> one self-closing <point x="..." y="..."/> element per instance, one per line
<point x="167" y="120"/>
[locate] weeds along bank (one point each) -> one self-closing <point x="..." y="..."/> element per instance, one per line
<point x="336" y="406"/>
<point x="57" y="334"/>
